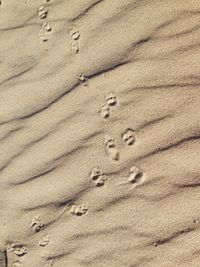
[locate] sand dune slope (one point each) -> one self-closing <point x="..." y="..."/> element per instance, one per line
<point x="99" y="133"/>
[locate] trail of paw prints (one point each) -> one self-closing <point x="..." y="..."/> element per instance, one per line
<point x="110" y="101"/>
<point x="74" y="39"/>
<point x="18" y="250"/>
<point x="46" y="28"/>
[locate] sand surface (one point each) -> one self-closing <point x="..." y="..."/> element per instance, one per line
<point x="99" y="133"/>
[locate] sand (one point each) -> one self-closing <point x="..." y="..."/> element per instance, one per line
<point x="99" y="133"/>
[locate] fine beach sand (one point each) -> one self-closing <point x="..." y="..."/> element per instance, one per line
<point x="99" y="133"/>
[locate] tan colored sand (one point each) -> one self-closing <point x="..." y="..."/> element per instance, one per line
<point x="99" y="133"/>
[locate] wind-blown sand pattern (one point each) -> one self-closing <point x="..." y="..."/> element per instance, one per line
<point x="99" y="133"/>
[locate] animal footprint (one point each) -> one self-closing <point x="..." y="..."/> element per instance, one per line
<point x="111" y="99"/>
<point x="44" y="242"/>
<point x="105" y="111"/>
<point x="46" y="26"/>
<point x="129" y="137"/>
<point x="112" y="151"/>
<point x="37" y="224"/>
<point x="98" y="176"/>
<point x="42" y="12"/>
<point x="42" y="35"/>
<point x="74" y="33"/>
<point x="95" y="173"/>
<point x="109" y="142"/>
<point x="135" y="177"/>
<point x="74" y="46"/>
<point x="19" y="249"/>
<point x="74" y="42"/>
<point x="83" y="79"/>
<point x="44" y="31"/>
<point x="78" y="209"/>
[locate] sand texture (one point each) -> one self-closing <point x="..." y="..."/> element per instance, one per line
<point x="99" y="133"/>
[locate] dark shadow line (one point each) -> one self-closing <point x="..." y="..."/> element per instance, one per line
<point x="84" y="12"/>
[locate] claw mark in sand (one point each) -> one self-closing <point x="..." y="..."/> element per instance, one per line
<point x="78" y="209"/>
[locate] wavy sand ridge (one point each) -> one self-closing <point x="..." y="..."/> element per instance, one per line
<point x="99" y="133"/>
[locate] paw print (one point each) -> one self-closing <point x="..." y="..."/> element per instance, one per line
<point x="112" y="151"/>
<point x="105" y="111"/>
<point x="78" y="209"/>
<point x="74" y="33"/>
<point x="98" y="176"/>
<point x="74" y="36"/>
<point x="109" y="142"/>
<point x="83" y="78"/>
<point x="37" y="224"/>
<point x="44" y="242"/>
<point x="95" y="173"/>
<point x="42" y="35"/>
<point x="19" y="249"/>
<point x="74" y="46"/>
<point x="100" y="181"/>
<point x="111" y="99"/>
<point x="129" y="137"/>
<point x="42" y="12"/>
<point x="135" y="174"/>
<point x="46" y="26"/>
